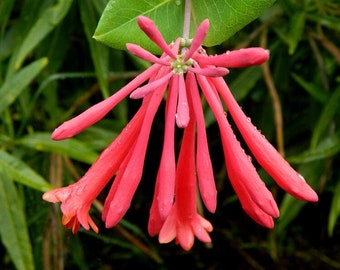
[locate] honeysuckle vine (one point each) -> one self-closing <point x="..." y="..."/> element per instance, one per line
<point x="183" y="74"/>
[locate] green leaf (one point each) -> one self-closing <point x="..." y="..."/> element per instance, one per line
<point x="13" y="226"/>
<point x="326" y="148"/>
<point x="99" y="138"/>
<point x="325" y="119"/>
<point x="334" y="210"/>
<point x="63" y="76"/>
<point x="15" y="31"/>
<point x="290" y="207"/>
<point x="118" y="26"/>
<point x="245" y="82"/>
<point x="78" y="254"/>
<point x="297" y="25"/>
<point x="289" y="210"/>
<point x="70" y="147"/>
<point x="21" y="172"/>
<point x="314" y="90"/>
<point x="331" y="22"/>
<point x="226" y="17"/>
<point x="99" y="53"/>
<point x="56" y="77"/>
<point x="13" y="86"/>
<point x="43" y="26"/>
<point x="6" y="7"/>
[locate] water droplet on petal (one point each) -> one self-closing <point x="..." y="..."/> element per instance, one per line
<point x="248" y="119"/>
<point x="301" y="177"/>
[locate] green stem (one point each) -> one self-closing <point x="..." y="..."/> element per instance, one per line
<point x="186" y="25"/>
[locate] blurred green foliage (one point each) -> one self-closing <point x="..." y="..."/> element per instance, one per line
<point x="52" y="69"/>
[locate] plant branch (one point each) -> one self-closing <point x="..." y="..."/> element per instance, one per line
<point x="275" y="97"/>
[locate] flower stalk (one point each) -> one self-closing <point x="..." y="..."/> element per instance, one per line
<point x="186" y="23"/>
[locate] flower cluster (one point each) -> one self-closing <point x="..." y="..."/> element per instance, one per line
<point x="183" y="70"/>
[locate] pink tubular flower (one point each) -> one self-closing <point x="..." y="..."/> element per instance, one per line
<point x="183" y="221"/>
<point x="183" y="70"/>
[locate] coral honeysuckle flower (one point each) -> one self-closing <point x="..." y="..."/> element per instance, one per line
<point x="183" y="222"/>
<point x="183" y="70"/>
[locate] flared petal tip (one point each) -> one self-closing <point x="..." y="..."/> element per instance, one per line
<point x="50" y="196"/>
<point x="92" y="225"/>
<point x="187" y="244"/>
<point x="71" y="222"/>
<point x="167" y="234"/>
<point x="57" y="194"/>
